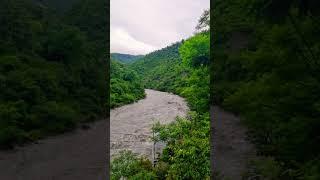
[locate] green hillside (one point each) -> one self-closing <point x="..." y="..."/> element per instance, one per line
<point x="125" y="58"/>
<point x="151" y="64"/>
<point x="156" y="58"/>
<point x="266" y="69"/>
<point x="52" y="72"/>
<point x="125" y="85"/>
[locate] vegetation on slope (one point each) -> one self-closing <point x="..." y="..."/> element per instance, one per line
<point x="157" y="68"/>
<point x="266" y="69"/>
<point x="51" y="77"/>
<point x="125" y="85"/>
<point x="125" y="58"/>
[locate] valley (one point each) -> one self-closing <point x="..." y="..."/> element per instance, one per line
<point x="131" y="125"/>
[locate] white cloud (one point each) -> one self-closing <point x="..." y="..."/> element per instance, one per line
<point x="152" y="24"/>
<point x="122" y="41"/>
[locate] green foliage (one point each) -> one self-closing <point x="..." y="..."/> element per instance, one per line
<point x="144" y="175"/>
<point x="130" y="166"/>
<point x="196" y="50"/>
<point x="125" y="85"/>
<point x="187" y="151"/>
<point x="196" y="89"/>
<point x="265" y="168"/>
<point x="161" y="169"/>
<point x="51" y="77"/>
<point x="168" y="55"/>
<point x="64" y="45"/>
<point x="311" y="170"/>
<point x="266" y="68"/>
<point x="52" y="117"/>
<point x="90" y="17"/>
<point x="125" y="58"/>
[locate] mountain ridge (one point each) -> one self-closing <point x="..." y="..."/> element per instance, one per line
<point x="125" y="58"/>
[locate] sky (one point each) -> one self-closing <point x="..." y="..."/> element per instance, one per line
<point x="142" y="26"/>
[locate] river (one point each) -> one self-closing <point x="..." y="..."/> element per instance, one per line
<point x="131" y="125"/>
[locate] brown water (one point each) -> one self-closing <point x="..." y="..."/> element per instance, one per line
<point x="130" y="125"/>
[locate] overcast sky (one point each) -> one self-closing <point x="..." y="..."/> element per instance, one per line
<point x="142" y="26"/>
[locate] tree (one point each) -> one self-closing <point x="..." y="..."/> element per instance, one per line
<point x="196" y="50"/>
<point x="204" y="22"/>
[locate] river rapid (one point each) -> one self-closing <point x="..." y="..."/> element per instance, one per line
<point x="130" y="125"/>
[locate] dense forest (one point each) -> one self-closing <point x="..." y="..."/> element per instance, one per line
<point x="181" y="68"/>
<point x="266" y="69"/>
<point x="52" y="67"/>
<point x="125" y="85"/>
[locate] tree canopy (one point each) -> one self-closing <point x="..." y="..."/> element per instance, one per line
<point x="265" y="68"/>
<point x="51" y="74"/>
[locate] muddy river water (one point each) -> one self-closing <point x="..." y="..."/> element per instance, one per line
<point x="130" y="125"/>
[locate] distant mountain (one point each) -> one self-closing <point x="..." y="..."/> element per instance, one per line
<point x="125" y="58"/>
<point x="58" y="5"/>
<point x="168" y="55"/>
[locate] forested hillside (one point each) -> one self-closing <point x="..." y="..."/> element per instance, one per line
<point x="266" y="69"/>
<point x="125" y="58"/>
<point x="125" y="85"/>
<point x="157" y="67"/>
<point x="90" y="17"/>
<point x="52" y="69"/>
<point x="181" y="68"/>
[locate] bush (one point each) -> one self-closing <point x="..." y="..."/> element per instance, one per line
<point x="187" y="149"/>
<point x="54" y="117"/>
<point x="11" y="136"/>
<point x="196" y="50"/>
<point x="129" y="165"/>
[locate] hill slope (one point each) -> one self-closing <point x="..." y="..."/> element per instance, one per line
<point x="125" y="58"/>
<point x="266" y="69"/>
<point x="125" y="85"/>
<point x="50" y="74"/>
